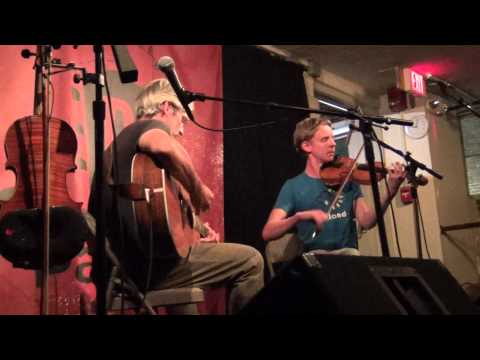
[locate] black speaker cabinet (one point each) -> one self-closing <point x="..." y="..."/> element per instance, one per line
<point x="361" y="285"/>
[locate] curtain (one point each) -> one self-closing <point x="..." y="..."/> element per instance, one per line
<point x="200" y="70"/>
<point x="257" y="161"/>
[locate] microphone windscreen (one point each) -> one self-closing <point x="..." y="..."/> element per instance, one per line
<point x="165" y="62"/>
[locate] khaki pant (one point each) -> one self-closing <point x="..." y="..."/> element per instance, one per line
<point x="237" y="267"/>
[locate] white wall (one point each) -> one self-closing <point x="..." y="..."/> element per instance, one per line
<point x="461" y="248"/>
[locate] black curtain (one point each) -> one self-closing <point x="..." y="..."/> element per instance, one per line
<point x="258" y="161"/>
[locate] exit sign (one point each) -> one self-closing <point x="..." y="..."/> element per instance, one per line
<point x="411" y="82"/>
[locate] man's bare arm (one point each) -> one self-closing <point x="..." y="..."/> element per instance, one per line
<point x="179" y="163"/>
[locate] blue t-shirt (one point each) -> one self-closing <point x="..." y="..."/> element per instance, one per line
<point x="306" y="193"/>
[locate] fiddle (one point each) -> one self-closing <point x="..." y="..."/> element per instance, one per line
<point x="338" y="172"/>
<point x="41" y="226"/>
<point x="335" y="173"/>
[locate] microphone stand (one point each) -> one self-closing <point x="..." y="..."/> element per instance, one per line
<point x="98" y="107"/>
<point x="476" y="102"/>
<point x="413" y="180"/>
<point x="367" y="131"/>
<point x="192" y="96"/>
<point x="463" y="104"/>
<point x="459" y="100"/>
<point x="366" y="123"/>
<point x="366" y="128"/>
<point x="416" y="208"/>
<point x="412" y="167"/>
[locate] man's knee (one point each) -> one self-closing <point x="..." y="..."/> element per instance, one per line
<point x="255" y="259"/>
<point x="247" y="257"/>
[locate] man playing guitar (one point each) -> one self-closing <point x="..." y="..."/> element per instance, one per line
<point x="160" y="120"/>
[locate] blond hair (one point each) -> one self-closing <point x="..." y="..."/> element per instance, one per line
<point x="305" y="130"/>
<point x="153" y="95"/>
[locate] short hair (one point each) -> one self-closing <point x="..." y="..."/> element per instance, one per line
<point x="153" y="95"/>
<point x="305" y="130"/>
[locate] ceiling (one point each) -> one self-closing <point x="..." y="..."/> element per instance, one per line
<point x="372" y="66"/>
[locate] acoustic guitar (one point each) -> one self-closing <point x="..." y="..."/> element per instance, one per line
<point x="162" y="209"/>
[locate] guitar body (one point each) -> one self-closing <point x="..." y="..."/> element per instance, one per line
<point x="164" y="213"/>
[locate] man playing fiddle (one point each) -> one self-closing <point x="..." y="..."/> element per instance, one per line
<point x="304" y="200"/>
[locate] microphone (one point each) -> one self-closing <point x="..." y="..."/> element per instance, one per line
<point x="167" y="66"/>
<point x="418" y="180"/>
<point x="434" y="79"/>
<point x="421" y="180"/>
<point x="389" y="120"/>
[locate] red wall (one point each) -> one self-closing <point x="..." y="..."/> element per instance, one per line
<point x="200" y="70"/>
